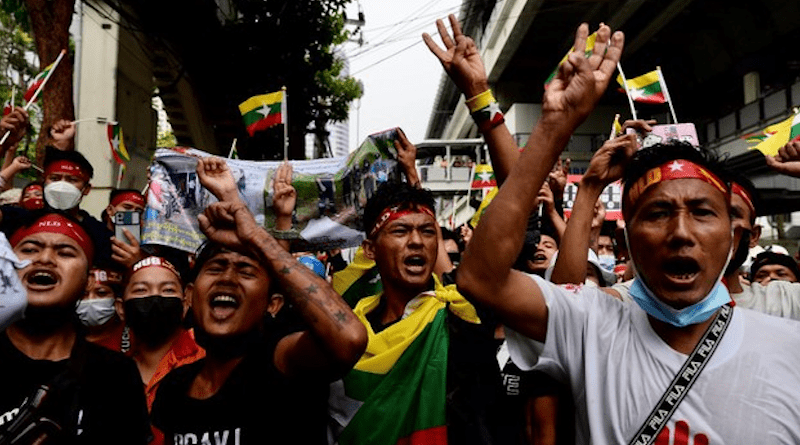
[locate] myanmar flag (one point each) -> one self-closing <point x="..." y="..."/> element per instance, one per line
<point x="264" y="111"/>
<point x="589" y="48"/>
<point x="117" y="143"/>
<point x="396" y="393"/>
<point x="779" y="135"/>
<point x="484" y="177"/>
<point x="482" y="208"/>
<point x="358" y="280"/>
<point x="37" y="82"/>
<point x="645" y="88"/>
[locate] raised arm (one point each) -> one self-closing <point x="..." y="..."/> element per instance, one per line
<point x="606" y="166"/>
<point x="16" y="122"/>
<point x="215" y="175"/>
<point x="787" y="161"/>
<point x="407" y="158"/>
<point x="284" y="198"/>
<point x="485" y="274"/>
<point x="335" y="338"/>
<point x="462" y="62"/>
<point x="18" y="164"/>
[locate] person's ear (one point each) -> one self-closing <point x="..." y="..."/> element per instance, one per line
<point x="755" y="235"/>
<point x="110" y="212"/>
<point x="87" y="188"/>
<point x="119" y="308"/>
<point x="186" y="304"/>
<point x="369" y="248"/>
<point x="275" y="304"/>
<point x="188" y="297"/>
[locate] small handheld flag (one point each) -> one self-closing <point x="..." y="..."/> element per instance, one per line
<point x="117" y="143"/>
<point x="484" y="177"/>
<point x="645" y="88"/>
<point x="263" y="111"/>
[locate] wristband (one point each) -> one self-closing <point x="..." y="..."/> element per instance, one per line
<point x="480" y="101"/>
<point x="488" y="117"/>
<point x="283" y="234"/>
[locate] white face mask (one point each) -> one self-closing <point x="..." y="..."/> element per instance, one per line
<point x="95" y="312"/>
<point x="607" y="262"/>
<point x="61" y="195"/>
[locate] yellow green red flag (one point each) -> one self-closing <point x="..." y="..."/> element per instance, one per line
<point x="263" y="111"/>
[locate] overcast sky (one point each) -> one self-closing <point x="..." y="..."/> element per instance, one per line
<point x="399" y="73"/>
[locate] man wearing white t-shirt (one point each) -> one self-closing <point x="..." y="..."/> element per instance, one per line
<point x="620" y="359"/>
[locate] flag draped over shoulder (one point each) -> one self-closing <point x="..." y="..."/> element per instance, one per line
<point x="37" y="82"/>
<point x="263" y="111"/>
<point x="117" y="143"/>
<point x="358" y="280"/>
<point x="399" y="384"/>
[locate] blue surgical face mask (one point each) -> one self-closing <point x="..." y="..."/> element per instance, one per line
<point x="607" y="262"/>
<point x="696" y="313"/>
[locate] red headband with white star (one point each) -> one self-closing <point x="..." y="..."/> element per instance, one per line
<point x="677" y="169"/>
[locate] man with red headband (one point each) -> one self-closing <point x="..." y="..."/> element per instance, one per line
<point x="66" y="182"/>
<point x="422" y="334"/>
<point x="627" y="364"/>
<point x="56" y="384"/>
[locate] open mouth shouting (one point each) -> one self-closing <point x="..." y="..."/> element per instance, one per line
<point x="223" y="305"/>
<point x="40" y="280"/>
<point x="415" y="263"/>
<point x="681" y="271"/>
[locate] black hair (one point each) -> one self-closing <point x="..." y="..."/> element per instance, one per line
<point x="388" y="195"/>
<point x="732" y="176"/>
<point x="53" y="154"/>
<point x="658" y="154"/>
<point x="768" y="257"/>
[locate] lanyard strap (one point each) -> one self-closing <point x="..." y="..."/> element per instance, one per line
<point x="685" y="379"/>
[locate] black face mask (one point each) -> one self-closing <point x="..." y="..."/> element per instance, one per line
<point x="740" y="254"/>
<point x="153" y="319"/>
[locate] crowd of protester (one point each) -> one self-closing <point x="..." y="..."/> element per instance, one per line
<point x="528" y="328"/>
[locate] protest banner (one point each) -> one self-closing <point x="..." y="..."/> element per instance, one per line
<point x="611" y="197"/>
<point x="331" y="193"/>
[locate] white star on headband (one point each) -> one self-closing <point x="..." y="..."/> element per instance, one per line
<point x="675" y="166"/>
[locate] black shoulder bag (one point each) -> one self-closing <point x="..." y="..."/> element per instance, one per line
<point x="686" y="377"/>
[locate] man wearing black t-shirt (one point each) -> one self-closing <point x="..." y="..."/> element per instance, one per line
<point x="54" y="383"/>
<point x="254" y="385"/>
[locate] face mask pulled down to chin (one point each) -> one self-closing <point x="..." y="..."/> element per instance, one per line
<point x="61" y="195"/>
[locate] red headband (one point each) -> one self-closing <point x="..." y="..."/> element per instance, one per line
<point x="55" y="223"/>
<point x="67" y="168"/>
<point x="106" y="277"/>
<point x="133" y="197"/>
<point x="677" y="169"/>
<point x="739" y="190"/>
<point x="155" y="261"/>
<point x="390" y="214"/>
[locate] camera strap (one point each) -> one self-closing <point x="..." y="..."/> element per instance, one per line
<point x="685" y="378"/>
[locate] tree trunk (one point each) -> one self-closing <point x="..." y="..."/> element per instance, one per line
<point x="50" y="21"/>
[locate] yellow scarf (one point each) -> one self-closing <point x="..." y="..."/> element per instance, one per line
<point x="386" y="347"/>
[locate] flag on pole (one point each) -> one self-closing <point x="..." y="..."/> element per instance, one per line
<point x="484" y="177"/>
<point x="7" y="107"/>
<point x="779" y="135"/>
<point x="37" y="82"/>
<point x="646" y="88"/>
<point x="263" y="111"/>
<point x="117" y="143"/>
<point x="589" y="48"/>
